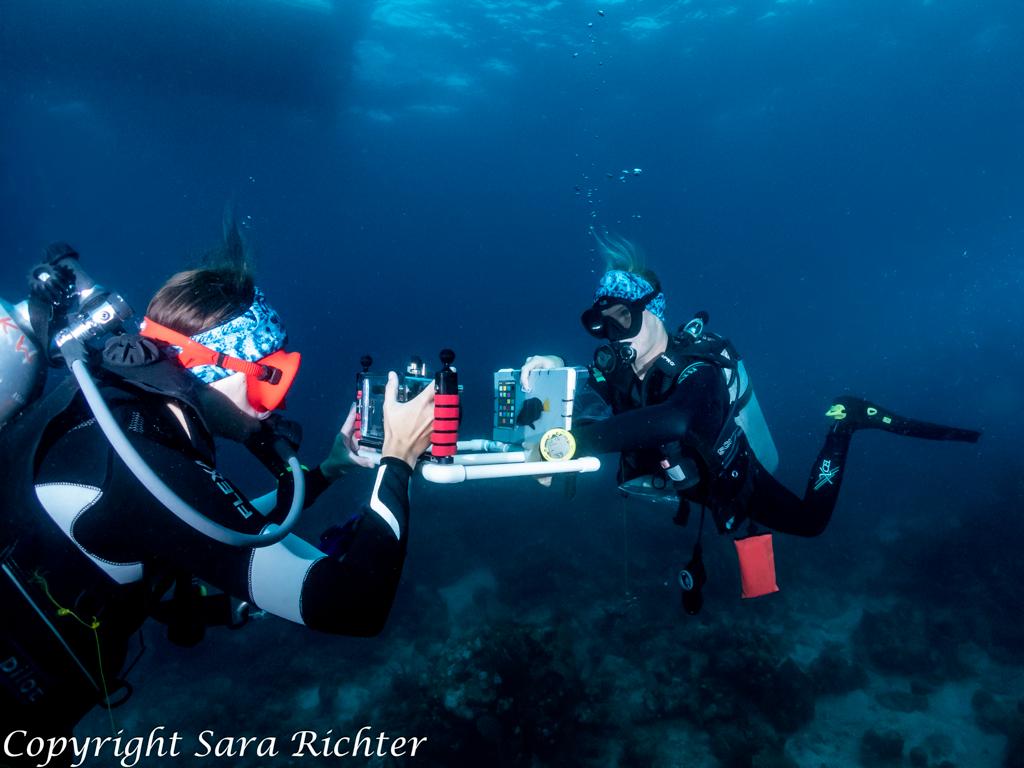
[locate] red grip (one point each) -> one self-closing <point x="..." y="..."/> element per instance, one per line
<point x="446" y="425"/>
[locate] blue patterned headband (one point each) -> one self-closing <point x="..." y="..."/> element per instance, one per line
<point x="250" y="336"/>
<point x="629" y="286"/>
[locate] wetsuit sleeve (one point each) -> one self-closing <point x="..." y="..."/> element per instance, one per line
<point x="350" y="594"/>
<point x="696" y="405"/>
<point x="363" y="582"/>
<point x="293" y="579"/>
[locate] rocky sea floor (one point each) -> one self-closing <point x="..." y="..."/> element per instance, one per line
<point x="547" y="640"/>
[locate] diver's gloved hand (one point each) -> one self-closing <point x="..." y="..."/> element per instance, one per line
<point x="345" y="451"/>
<point x="266" y="442"/>
<point x="537" y="363"/>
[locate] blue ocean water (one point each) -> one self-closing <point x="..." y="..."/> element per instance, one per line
<point x="837" y="182"/>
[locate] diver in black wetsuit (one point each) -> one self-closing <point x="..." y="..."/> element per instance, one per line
<point x="87" y="552"/>
<point x="686" y="421"/>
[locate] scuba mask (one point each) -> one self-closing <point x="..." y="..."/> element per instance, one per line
<point x="267" y="379"/>
<point x="614" y="319"/>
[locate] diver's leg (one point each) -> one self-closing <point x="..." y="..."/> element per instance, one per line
<point x="849" y="414"/>
<point x="773" y="505"/>
<point x="826" y="478"/>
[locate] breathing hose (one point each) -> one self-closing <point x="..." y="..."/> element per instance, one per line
<point x="160" y="490"/>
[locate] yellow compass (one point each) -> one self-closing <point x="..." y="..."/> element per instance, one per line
<point x="557" y="445"/>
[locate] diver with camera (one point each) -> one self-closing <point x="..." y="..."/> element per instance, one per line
<point x="113" y="496"/>
<point x="682" y="414"/>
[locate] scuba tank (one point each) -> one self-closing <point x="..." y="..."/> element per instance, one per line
<point x="746" y="413"/>
<point x="22" y="370"/>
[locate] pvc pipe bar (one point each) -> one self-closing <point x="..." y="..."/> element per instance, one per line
<point x="484" y="446"/>
<point x="458" y="473"/>
<point x="514" y="457"/>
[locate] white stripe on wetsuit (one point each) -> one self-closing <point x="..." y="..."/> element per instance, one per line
<point x="265" y="504"/>
<point x="380" y="507"/>
<point x="65" y="502"/>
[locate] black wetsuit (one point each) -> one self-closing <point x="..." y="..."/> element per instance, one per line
<point x="100" y="545"/>
<point x="682" y="408"/>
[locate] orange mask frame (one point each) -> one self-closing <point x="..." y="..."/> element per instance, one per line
<point x="267" y="379"/>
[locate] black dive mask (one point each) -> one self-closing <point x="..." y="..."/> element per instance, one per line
<point x="608" y="357"/>
<point x="616" y="319"/>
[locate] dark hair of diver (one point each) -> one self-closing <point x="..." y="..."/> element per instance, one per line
<point x="620" y="253"/>
<point x="199" y="299"/>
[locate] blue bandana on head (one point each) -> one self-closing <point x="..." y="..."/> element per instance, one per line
<point x="629" y="286"/>
<point x="250" y="336"/>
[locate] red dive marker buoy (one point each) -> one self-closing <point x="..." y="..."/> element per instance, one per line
<point x="446" y="410"/>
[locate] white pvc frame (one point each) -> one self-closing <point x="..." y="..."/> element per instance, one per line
<point x="488" y="460"/>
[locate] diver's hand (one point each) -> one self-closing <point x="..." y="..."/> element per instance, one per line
<point x="407" y="426"/>
<point x="532" y="448"/>
<point x="536" y="363"/>
<point x="344" y="452"/>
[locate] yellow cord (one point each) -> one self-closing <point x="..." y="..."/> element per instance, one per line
<point x="40" y="580"/>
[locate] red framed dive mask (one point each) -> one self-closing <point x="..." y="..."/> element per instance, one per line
<point x="267" y="380"/>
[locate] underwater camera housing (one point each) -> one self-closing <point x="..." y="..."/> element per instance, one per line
<point x="370" y="399"/>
